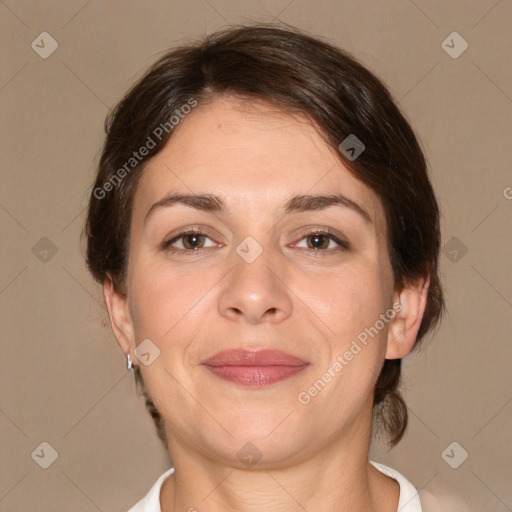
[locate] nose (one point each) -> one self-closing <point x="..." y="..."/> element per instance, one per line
<point x="255" y="292"/>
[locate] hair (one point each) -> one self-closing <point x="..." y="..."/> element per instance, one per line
<point x="298" y="74"/>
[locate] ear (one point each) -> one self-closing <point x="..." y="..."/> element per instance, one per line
<point x="409" y="305"/>
<point x="120" y="318"/>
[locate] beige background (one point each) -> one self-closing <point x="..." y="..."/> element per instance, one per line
<point x="63" y="376"/>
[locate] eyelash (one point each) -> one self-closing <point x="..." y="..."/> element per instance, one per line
<point x="342" y="245"/>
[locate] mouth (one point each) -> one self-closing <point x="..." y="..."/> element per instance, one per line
<point x="254" y="368"/>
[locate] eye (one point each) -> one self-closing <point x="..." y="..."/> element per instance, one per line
<point x="194" y="240"/>
<point x="323" y="240"/>
<point x="190" y="240"/>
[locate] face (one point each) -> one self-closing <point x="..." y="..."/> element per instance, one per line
<point x="266" y="267"/>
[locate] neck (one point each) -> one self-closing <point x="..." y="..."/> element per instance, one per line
<point x="334" y="479"/>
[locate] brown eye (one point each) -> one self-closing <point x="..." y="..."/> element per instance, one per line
<point x="193" y="241"/>
<point x="188" y="241"/>
<point x="321" y="241"/>
<point x="318" y="241"/>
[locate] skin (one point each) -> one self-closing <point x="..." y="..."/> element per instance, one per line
<point x="311" y="303"/>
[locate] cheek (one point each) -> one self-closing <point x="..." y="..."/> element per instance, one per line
<point x="166" y="304"/>
<point x="350" y="303"/>
<point x="349" y="300"/>
<point x="169" y="308"/>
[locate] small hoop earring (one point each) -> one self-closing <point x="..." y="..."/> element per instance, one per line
<point x="129" y="362"/>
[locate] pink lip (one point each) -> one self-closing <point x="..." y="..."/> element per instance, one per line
<point x="254" y="368"/>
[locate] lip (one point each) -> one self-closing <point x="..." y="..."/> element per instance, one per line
<point x="254" y="368"/>
<point x="244" y="357"/>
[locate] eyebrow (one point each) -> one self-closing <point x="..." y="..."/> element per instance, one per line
<point x="298" y="203"/>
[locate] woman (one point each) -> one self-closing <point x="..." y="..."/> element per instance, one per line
<point x="267" y="238"/>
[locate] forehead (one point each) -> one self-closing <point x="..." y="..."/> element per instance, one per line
<point x="253" y="155"/>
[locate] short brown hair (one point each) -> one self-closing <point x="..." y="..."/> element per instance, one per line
<point x="296" y="73"/>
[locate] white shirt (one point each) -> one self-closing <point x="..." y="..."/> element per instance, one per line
<point x="409" y="500"/>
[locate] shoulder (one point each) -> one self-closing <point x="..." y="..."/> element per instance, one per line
<point x="151" y="502"/>
<point x="437" y="499"/>
<point x="441" y="499"/>
<point x="409" y="498"/>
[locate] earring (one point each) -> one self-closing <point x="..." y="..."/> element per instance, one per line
<point x="129" y="362"/>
